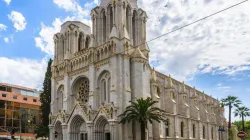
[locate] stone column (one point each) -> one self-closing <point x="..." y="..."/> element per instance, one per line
<point x="176" y="126"/>
<point x="92" y="86"/>
<point x="199" y="131"/>
<point x="65" y="132"/>
<point x="90" y="129"/>
<point x="113" y="129"/>
<point x="51" y="132"/>
<point x="190" y="130"/>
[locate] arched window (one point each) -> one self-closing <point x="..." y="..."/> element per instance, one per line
<point x="127" y="19"/>
<point x="194" y="130"/>
<point x="158" y="92"/>
<point x="173" y="95"/>
<point x="110" y="18"/>
<point x="182" y="129"/>
<point x="80" y="42"/>
<point x="212" y="133"/>
<point x="167" y="128"/>
<point x="104" y="26"/>
<point x="104" y="90"/>
<point x="134" y="27"/>
<point x="60" y="99"/>
<point x="204" y="132"/>
<point x="87" y="42"/>
<point x="104" y="87"/>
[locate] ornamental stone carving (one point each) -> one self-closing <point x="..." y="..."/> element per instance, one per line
<point x="82" y="91"/>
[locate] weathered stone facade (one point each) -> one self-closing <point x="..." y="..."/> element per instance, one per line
<point x="96" y="75"/>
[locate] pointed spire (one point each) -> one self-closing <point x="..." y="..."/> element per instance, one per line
<point x="153" y="75"/>
<point x="114" y="33"/>
<point x="92" y="42"/>
<point x="124" y="33"/>
<point x="170" y="83"/>
<point x="183" y="88"/>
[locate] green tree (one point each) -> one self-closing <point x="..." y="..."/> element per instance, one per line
<point x="142" y="111"/>
<point x="247" y="128"/>
<point x="242" y="112"/>
<point x="231" y="101"/>
<point x="45" y="99"/>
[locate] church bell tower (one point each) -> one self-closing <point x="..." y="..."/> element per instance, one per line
<point x="120" y="19"/>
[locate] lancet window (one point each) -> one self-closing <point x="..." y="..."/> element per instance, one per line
<point x="134" y="27"/>
<point x="104" y="87"/>
<point x="182" y="129"/>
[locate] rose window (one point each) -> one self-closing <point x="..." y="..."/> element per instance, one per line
<point x="82" y="91"/>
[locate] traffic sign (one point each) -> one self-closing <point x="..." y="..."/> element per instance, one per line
<point x="241" y="135"/>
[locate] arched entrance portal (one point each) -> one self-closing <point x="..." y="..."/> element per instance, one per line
<point x="58" y="130"/>
<point x="78" y="130"/>
<point x="102" y="129"/>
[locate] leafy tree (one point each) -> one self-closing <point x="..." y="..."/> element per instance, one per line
<point x="231" y="101"/>
<point x="247" y="127"/>
<point x="45" y="99"/>
<point x="142" y="111"/>
<point x="242" y="112"/>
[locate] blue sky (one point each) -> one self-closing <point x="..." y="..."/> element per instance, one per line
<point x="212" y="55"/>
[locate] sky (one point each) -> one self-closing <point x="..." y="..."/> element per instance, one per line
<point x="213" y="55"/>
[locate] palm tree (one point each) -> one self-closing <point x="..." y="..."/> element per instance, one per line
<point x="231" y="101"/>
<point x="242" y="112"/>
<point x="142" y="111"/>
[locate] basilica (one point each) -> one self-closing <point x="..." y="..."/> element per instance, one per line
<point x="97" y="71"/>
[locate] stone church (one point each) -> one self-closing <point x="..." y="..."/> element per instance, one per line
<point x="97" y="72"/>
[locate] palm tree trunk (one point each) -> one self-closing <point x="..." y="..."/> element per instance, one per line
<point x="243" y="125"/>
<point x="143" y="127"/>
<point x="230" y="107"/>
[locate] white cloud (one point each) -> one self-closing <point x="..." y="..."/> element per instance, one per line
<point x="222" y="87"/>
<point x="24" y="72"/>
<point x="45" y="40"/>
<point x="7" y="1"/>
<point x="218" y="45"/>
<point x="3" y="27"/>
<point x="18" y="20"/>
<point x="6" y="40"/>
<point x="74" y="7"/>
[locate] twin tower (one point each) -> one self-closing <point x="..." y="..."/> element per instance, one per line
<point x="113" y="19"/>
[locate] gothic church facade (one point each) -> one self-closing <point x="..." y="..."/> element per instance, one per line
<point x="96" y="73"/>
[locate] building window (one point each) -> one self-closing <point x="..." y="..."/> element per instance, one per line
<point x="105" y="83"/>
<point x="167" y="128"/>
<point x="193" y="130"/>
<point x="80" y="42"/>
<point x="84" y="136"/>
<point x="212" y="133"/>
<point x="34" y="100"/>
<point x="82" y="89"/>
<point x="134" y="27"/>
<point x="14" y="97"/>
<point x="104" y="26"/>
<point x="25" y="99"/>
<point x="4" y="95"/>
<point x="182" y="129"/>
<point x="204" y="132"/>
<point x="87" y="42"/>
